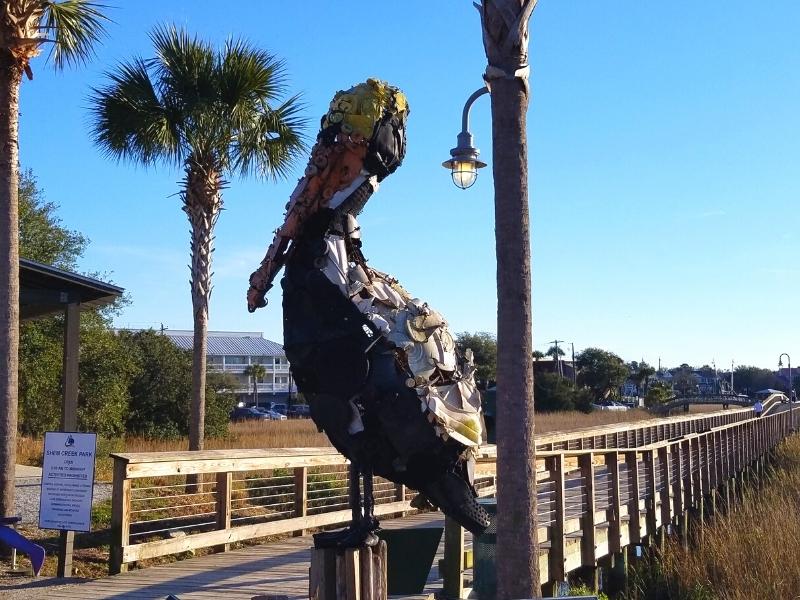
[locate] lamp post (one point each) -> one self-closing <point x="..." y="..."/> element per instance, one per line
<point x="463" y="162"/>
<point x="791" y="387"/>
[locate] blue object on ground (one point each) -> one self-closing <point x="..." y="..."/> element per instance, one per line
<point x="34" y="551"/>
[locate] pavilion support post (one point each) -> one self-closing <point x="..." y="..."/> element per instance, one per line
<point x="69" y="414"/>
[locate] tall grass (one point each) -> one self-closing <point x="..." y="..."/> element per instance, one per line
<point x="752" y="552"/>
<point x="297" y="433"/>
<point x="293" y="433"/>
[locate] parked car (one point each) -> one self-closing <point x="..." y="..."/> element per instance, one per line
<point x="608" y="405"/>
<point x="276" y="416"/>
<point x="279" y="408"/>
<point x="270" y="414"/>
<point x="246" y="413"/>
<point x="298" y="411"/>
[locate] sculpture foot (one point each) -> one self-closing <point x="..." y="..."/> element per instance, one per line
<point x="358" y="534"/>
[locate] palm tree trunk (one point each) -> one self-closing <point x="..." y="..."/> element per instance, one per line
<point x="505" y="32"/>
<point x="10" y="78"/>
<point x="517" y="545"/>
<point x="202" y="203"/>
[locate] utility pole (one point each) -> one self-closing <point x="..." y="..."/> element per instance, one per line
<point x="558" y="358"/>
<point x="574" y="367"/>
<point x="731" y="376"/>
<point x="717" y="389"/>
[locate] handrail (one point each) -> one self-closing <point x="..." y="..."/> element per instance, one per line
<point x="662" y="467"/>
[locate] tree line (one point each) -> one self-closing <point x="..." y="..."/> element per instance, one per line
<point x="135" y="383"/>
<point x="209" y="113"/>
<point x="599" y="375"/>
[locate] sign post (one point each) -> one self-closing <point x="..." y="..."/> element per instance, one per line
<point x="65" y="502"/>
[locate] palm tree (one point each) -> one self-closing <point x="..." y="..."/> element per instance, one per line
<point x="505" y="39"/>
<point x="256" y="372"/>
<point x="213" y="114"/>
<point x="70" y="28"/>
<point x="554" y="351"/>
<point x="643" y="376"/>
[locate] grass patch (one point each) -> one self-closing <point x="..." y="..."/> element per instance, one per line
<point x="745" y="554"/>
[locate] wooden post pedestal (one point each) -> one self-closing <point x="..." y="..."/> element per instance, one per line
<point x="357" y="574"/>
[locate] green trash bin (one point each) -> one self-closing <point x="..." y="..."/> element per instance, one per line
<point x="484" y="553"/>
<point x="410" y="553"/>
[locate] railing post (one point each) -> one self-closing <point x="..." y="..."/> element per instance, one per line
<point x="677" y="483"/>
<point x="223" y="505"/>
<point x="300" y="495"/>
<point x="588" y="540"/>
<point x="452" y="576"/>
<point x="615" y="518"/>
<point x="558" y="541"/>
<point x="688" y="501"/>
<point x="634" y="521"/>
<point x="400" y="495"/>
<point x="120" y="517"/>
<point x="726" y="456"/>
<point x="651" y="495"/>
<point x="664" y="465"/>
<point x="698" y="499"/>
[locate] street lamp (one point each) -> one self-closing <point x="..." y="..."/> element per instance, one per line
<point x="791" y="387"/>
<point x="463" y="162"/>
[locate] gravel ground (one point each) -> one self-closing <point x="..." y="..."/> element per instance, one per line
<point x="27" y="498"/>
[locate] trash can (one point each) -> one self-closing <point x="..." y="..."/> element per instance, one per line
<point x="484" y="553"/>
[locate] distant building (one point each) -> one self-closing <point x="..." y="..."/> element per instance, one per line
<point x="232" y="352"/>
<point x="548" y="364"/>
<point x="707" y="383"/>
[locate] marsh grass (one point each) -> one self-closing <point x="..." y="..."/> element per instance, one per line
<point x="300" y="433"/>
<point x="751" y="552"/>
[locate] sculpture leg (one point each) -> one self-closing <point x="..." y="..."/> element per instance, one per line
<point x="370" y="521"/>
<point x="355" y="494"/>
<point x="361" y="531"/>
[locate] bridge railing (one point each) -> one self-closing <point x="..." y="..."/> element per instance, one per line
<point x="240" y="495"/>
<point x="235" y="496"/>
<point x="595" y="502"/>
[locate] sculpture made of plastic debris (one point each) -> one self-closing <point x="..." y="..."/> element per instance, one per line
<point x="377" y="366"/>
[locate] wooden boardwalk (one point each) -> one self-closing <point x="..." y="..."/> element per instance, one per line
<point x="276" y="568"/>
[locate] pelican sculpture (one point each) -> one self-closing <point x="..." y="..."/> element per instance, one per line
<point x="378" y="366"/>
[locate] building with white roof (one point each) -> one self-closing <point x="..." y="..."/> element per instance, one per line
<point x="233" y="351"/>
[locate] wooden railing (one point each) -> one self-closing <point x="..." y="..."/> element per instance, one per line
<point x="241" y="495"/>
<point x="590" y="485"/>
<point x="594" y="503"/>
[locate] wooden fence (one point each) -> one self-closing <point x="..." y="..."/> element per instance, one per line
<point x="599" y="489"/>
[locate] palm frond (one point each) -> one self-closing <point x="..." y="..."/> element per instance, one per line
<point x="130" y="120"/>
<point x="190" y="103"/>
<point x="185" y="68"/>
<point x="272" y="143"/>
<point x="74" y="26"/>
<point x="247" y="73"/>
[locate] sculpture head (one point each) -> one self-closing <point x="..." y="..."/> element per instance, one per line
<point x="371" y="114"/>
<point x="362" y="139"/>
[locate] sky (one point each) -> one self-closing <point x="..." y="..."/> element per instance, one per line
<point x="663" y="161"/>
